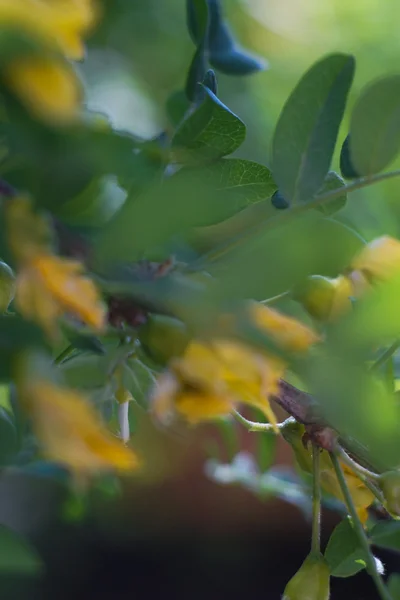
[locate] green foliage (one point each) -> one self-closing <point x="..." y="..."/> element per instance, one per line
<point x="344" y="554"/>
<point x="375" y="126"/>
<point x="386" y="534"/>
<point x="210" y="132"/>
<point x="16" y="555"/>
<point x="306" y="132"/>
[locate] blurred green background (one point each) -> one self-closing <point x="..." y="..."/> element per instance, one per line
<point x="178" y="534"/>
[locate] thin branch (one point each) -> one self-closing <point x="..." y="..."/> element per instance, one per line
<point x="359" y="530"/>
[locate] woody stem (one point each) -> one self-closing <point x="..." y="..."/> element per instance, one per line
<point x="316" y="504"/>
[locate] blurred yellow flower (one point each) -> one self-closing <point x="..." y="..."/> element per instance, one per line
<point x="48" y="286"/>
<point x="285" y="331"/>
<point x="210" y="379"/>
<point x="379" y="260"/>
<point x="71" y="432"/>
<point x="43" y="80"/>
<point x="47" y="86"/>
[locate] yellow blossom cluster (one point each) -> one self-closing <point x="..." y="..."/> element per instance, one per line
<point x="39" y="72"/>
<point x="212" y="377"/>
<point x="47" y="286"/>
<point x="70" y="430"/>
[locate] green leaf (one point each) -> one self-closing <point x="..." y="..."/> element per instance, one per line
<point x="210" y="132"/>
<point x="343" y="553"/>
<point x="375" y="126"/>
<point x="8" y="437"/>
<point x="86" y="371"/>
<point x="393" y="585"/>
<point x="194" y="197"/>
<point x="197" y="17"/>
<point x="16" y="335"/>
<point x="177" y="105"/>
<point x="333" y="181"/>
<point x="386" y="534"/>
<point x="138" y="380"/>
<point x="346" y="164"/>
<point x="305" y="136"/>
<point x="16" y="555"/>
<point x="280" y="258"/>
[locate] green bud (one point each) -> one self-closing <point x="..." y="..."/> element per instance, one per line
<point x="311" y="582"/>
<point x="7" y="286"/>
<point x="389" y="484"/>
<point x="324" y="298"/>
<point x="163" y="338"/>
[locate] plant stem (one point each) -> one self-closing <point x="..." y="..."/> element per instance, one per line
<point x="359" y="469"/>
<point x="359" y="530"/>
<point x="275" y="298"/>
<point x="316" y="503"/>
<point x="66" y="353"/>
<point x="254" y="426"/>
<point x="386" y="355"/>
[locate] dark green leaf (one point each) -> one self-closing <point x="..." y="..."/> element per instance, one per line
<point x="346" y="164"/>
<point x="224" y="52"/>
<point x="333" y="181"/>
<point x="386" y="534"/>
<point x="305" y="136"/>
<point x="138" y="380"/>
<point x="343" y="553"/>
<point x="375" y="126"/>
<point x="210" y="132"/>
<point x="195" y="76"/>
<point x="177" y="106"/>
<point x="16" y="335"/>
<point x="197" y="19"/>
<point x="8" y="437"/>
<point x="197" y="15"/>
<point x="16" y="555"/>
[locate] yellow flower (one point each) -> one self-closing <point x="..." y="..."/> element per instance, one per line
<point x="286" y="331"/>
<point x="362" y="496"/>
<point x="47" y="86"/>
<point x="210" y="379"/>
<point x="44" y="81"/>
<point x="70" y="431"/>
<point x="379" y="260"/>
<point x="49" y="286"/>
<point x="58" y="23"/>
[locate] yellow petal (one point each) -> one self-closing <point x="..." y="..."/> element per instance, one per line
<point x="70" y="431"/>
<point x="379" y="260"/>
<point x="286" y="331"/>
<point x="48" y="87"/>
<point x="198" y="406"/>
<point x="71" y="290"/>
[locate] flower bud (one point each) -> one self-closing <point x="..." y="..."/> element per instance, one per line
<point x="163" y="338"/>
<point x="7" y="286"/>
<point x="324" y="298"/>
<point x="389" y="483"/>
<point x="311" y="582"/>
